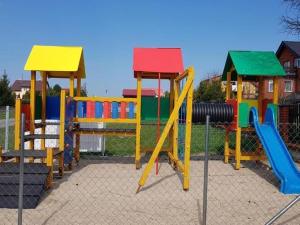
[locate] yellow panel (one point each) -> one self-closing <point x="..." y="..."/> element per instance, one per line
<point x="251" y="102"/>
<point x="58" y="61"/>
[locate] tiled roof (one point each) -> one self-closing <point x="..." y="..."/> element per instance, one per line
<point x="145" y="92"/>
<point x="19" y="84"/>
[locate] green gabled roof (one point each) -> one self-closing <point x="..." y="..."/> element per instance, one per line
<point x="252" y="63"/>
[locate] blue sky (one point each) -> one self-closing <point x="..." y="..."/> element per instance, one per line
<point x="109" y="30"/>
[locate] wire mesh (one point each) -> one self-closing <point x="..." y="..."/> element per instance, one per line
<point x="101" y="189"/>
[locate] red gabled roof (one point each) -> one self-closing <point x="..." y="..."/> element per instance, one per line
<point x="145" y="92"/>
<point x="151" y="61"/>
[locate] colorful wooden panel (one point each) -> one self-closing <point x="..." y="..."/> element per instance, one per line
<point x="131" y="110"/>
<point x="115" y="110"/>
<point x="123" y="107"/>
<point x="90" y="109"/>
<point x="98" y="109"/>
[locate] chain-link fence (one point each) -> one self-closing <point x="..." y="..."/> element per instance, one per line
<point x="100" y="189"/>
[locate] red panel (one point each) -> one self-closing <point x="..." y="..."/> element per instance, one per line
<point x="265" y="103"/>
<point x="90" y="109"/>
<point x="25" y="108"/>
<point x="233" y="102"/>
<point x="123" y="110"/>
<point x="107" y="110"/>
<point x="158" y="60"/>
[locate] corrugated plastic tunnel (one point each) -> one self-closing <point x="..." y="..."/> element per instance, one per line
<point x="218" y="112"/>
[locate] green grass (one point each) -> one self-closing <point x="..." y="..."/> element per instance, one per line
<point x="3" y="113"/>
<point x="126" y="145"/>
<point x="10" y="137"/>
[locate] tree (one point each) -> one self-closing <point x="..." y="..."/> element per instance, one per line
<point x="291" y="21"/>
<point x="55" y="90"/>
<point x="6" y="95"/>
<point x="209" y="91"/>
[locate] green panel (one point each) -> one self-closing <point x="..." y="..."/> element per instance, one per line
<point x="253" y="63"/>
<point x="38" y="107"/>
<point x="275" y="109"/>
<point x="244" y="111"/>
<point x="149" y="108"/>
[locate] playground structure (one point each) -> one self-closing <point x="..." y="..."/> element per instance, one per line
<point x="71" y="110"/>
<point x="248" y="66"/>
<point x="253" y="66"/>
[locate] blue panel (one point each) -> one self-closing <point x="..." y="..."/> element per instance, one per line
<point x="115" y="107"/>
<point x="53" y="107"/>
<point x="98" y="109"/>
<point x="131" y="110"/>
<point x="81" y="108"/>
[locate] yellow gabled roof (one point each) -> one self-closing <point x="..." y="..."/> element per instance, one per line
<point x="58" y="61"/>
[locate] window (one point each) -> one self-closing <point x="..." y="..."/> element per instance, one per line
<point x="270" y="86"/>
<point x="287" y="64"/>
<point x="297" y="63"/>
<point x="288" y="86"/>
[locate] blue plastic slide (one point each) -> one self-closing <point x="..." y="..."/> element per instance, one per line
<point x="277" y="152"/>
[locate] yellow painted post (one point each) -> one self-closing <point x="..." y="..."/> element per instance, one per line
<point x="77" y="136"/>
<point x="238" y="129"/>
<point x="62" y="120"/>
<point x="188" y="132"/>
<point x="175" y="124"/>
<point x="49" y="162"/>
<point x="275" y="90"/>
<point x="171" y="100"/>
<point x="71" y="85"/>
<point x="17" y="123"/>
<point x="228" y="95"/>
<point x="44" y="94"/>
<point x="165" y="132"/>
<point x="32" y="105"/>
<point x="138" y="123"/>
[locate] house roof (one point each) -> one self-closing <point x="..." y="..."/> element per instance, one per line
<point x="151" y="61"/>
<point x="145" y="92"/>
<point x="294" y="46"/>
<point x="252" y="63"/>
<point x="19" y="84"/>
<point x="58" y="61"/>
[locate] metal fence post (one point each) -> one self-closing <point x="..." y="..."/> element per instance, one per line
<point x="205" y="183"/>
<point x="21" y="175"/>
<point x="284" y="210"/>
<point x="6" y="128"/>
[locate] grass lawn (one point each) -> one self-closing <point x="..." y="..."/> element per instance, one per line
<point x="10" y="137"/>
<point x="3" y="113"/>
<point x="126" y="145"/>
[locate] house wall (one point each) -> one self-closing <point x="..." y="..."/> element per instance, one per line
<point x="286" y="55"/>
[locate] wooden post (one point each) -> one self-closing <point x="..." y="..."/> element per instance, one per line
<point x="71" y="85"/>
<point x="228" y="95"/>
<point x="77" y="136"/>
<point x="32" y="105"/>
<point x="44" y="95"/>
<point x="171" y="100"/>
<point x="188" y="132"/>
<point x="49" y="162"/>
<point x="138" y="122"/>
<point x="175" y="124"/>
<point x="238" y="129"/>
<point x="62" y="120"/>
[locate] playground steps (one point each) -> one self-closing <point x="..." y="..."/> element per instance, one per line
<point x="37" y="154"/>
<point x="29" y="137"/>
<point x="35" y="177"/>
<point x="106" y="131"/>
